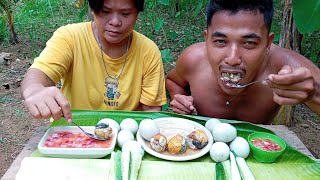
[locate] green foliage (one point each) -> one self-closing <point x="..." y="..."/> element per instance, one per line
<point x="172" y="24"/>
<point x="306" y="15"/>
<point x="36" y="20"/>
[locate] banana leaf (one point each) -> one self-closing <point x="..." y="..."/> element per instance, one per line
<point x="292" y="164"/>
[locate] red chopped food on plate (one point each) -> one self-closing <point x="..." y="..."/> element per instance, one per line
<point x="266" y="144"/>
<point x="74" y="140"/>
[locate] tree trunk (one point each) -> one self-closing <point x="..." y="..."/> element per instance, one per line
<point x="14" y="37"/>
<point x="290" y="39"/>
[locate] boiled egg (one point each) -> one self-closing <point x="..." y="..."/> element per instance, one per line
<point x="240" y="146"/>
<point x="129" y="124"/>
<point x="148" y="128"/>
<point x="219" y="151"/>
<point x="124" y="136"/>
<point x="211" y="123"/>
<point x="224" y="132"/>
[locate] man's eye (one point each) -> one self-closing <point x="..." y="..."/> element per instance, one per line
<point x="220" y="41"/>
<point x="250" y="43"/>
<point x="126" y="14"/>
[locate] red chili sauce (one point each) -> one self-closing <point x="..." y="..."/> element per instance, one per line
<point x="74" y="140"/>
<point x="266" y="144"/>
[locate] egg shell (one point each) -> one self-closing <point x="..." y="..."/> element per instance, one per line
<point x="240" y="146"/>
<point x="219" y="151"/>
<point x="111" y="122"/>
<point x="211" y="123"/>
<point x="133" y="147"/>
<point x="224" y="132"/>
<point x="148" y="128"/>
<point x="124" y="136"/>
<point x="129" y="124"/>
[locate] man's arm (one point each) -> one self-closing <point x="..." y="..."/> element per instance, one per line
<point x="42" y="98"/>
<point x="176" y="84"/>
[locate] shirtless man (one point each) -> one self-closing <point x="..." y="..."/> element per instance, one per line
<point x="238" y="49"/>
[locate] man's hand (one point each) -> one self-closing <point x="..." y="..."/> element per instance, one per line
<point x="183" y="104"/>
<point x="48" y="102"/>
<point x="292" y="86"/>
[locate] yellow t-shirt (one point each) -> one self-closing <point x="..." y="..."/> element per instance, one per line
<point x="73" y="55"/>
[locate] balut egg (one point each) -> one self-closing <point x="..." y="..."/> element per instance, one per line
<point x="197" y="139"/>
<point x="158" y="142"/>
<point x="103" y="131"/>
<point x="177" y="144"/>
<point x="111" y="122"/>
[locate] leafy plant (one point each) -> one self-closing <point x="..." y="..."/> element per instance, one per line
<point x="6" y="6"/>
<point x="306" y="15"/>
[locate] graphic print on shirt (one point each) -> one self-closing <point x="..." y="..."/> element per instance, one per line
<point x="112" y="95"/>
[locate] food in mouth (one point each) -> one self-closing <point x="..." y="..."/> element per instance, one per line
<point x="231" y="79"/>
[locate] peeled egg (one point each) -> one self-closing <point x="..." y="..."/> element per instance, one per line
<point x="240" y="146"/>
<point x="148" y="128"/>
<point x="211" y="123"/>
<point x="133" y="147"/>
<point x="219" y="151"/>
<point x="111" y="123"/>
<point x="124" y="136"/>
<point x="129" y="124"/>
<point x="224" y="132"/>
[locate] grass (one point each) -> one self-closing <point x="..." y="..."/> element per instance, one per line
<point x="172" y="30"/>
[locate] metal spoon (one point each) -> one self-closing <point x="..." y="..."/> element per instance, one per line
<point x="90" y="134"/>
<point x="238" y="86"/>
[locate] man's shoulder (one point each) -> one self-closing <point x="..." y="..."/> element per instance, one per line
<point x="282" y="56"/>
<point x="195" y="53"/>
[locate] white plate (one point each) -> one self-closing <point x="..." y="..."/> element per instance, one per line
<point x="172" y="126"/>
<point x="75" y="152"/>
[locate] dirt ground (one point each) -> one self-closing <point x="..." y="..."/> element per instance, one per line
<point x="16" y="125"/>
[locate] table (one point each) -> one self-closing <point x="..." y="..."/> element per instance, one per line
<point x="282" y="131"/>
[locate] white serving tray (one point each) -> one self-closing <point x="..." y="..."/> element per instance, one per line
<point x="75" y="152"/>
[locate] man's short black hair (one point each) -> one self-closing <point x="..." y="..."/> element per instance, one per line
<point x="263" y="6"/>
<point x="97" y="5"/>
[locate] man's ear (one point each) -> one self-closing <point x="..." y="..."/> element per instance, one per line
<point x="205" y="34"/>
<point x="270" y="39"/>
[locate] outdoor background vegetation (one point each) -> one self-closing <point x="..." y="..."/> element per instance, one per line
<point x="173" y="26"/>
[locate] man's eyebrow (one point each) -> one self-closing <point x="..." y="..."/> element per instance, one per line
<point x="218" y="34"/>
<point x="252" y="36"/>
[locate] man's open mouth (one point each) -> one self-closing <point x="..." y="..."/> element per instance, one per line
<point x="231" y="78"/>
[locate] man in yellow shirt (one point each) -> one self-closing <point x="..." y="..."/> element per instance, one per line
<point x="103" y="65"/>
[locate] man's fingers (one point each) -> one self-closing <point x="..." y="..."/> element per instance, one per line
<point x="300" y="96"/>
<point x="179" y="111"/>
<point x="284" y="100"/>
<point x="176" y="106"/>
<point x="186" y="101"/>
<point x="296" y="76"/>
